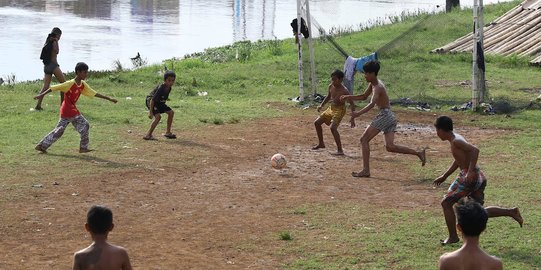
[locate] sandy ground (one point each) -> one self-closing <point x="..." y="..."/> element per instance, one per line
<point x="210" y="199"/>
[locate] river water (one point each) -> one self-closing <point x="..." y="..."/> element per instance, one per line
<point x="100" y="32"/>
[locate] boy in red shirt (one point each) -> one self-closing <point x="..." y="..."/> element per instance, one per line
<point x="72" y="90"/>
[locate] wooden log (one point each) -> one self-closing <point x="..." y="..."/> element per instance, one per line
<point x="511" y="13"/>
<point x="510" y="44"/>
<point x="503" y="38"/>
<point x="525" y="41"/>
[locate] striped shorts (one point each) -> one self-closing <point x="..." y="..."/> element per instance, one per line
<point x="385" y="121"/>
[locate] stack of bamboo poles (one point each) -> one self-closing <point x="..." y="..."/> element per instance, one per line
<point x="516" y="32"/>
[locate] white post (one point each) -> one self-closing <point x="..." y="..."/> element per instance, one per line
<point x="313" y="79"/>
<point x="478" y="75"/>
<point x="299" y="47"/>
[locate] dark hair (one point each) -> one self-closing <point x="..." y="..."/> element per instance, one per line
<point x="338" y="73"/>
<point x="56" y="31"/>
<point x="99" y="219"/>
<point x="444" y="123"/>
<point x="81" y="66"/>
<point x="471" y="216"/>
<point x="168" y="74"/>
<point x="371" y="67"/>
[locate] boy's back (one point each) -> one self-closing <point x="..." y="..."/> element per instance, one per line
<point x="103" y="257"/>
<point x="464" y="259"/>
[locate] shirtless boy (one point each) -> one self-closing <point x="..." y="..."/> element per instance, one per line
<point x="384" y="122"/>
<point x="333" y="115"/>
<point x="100" y="254"/>
<point x="472" y="221"/>
<point x="470" y="182"/>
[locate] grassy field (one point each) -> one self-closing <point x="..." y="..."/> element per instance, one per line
<point x="216" y="88"/>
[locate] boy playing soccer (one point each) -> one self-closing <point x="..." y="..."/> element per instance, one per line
<point x="155" y="102"/>
<point x="470" y="182"/>
<point x="69" y="113"/>
<point x="385" y="121"/>
<point x="471" y="222"/>
<point x="100" y="254"/>
<point x="333" y="115"/>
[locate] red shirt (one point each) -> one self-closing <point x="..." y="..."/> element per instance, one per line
<point x="72" y="92"/>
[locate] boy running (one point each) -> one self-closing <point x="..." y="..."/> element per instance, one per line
<point x="384" y="122"/>
<point x="470" y="182"/>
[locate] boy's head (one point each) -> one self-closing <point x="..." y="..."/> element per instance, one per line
<point x="169" y="78"/>
<point x="471" y="216"/>
<point x="81" y="70"/>
<point x="337" y="76"/>
<point x="371" y="69"/>
<point x="444" y="127"/>
<point x="57" y="32"/>
<point x="99" y="220"/>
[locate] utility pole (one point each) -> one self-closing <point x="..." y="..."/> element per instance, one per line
<point x="299" y="48"/>
<point x="478" y="69"/>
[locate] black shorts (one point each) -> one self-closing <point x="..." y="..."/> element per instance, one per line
<point x="159" y="107"/>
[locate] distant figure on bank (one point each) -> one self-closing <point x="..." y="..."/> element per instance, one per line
<point x="100" y="254"/>
<point x="49" y="54"/>
<point x="385" y="121"/>
<point x="470" y="182"/>
<point x="471" y="222"/>
<point x="155" y="103"/>
<point x="69" y="113"/>
<point x="333" y="114"/>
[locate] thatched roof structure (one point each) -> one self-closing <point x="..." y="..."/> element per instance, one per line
<point x="516" y="32"/>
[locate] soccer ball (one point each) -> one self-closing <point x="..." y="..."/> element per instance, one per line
<point x="278" y="161"/>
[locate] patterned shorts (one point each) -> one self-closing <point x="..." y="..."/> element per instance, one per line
<point x="385" y="121"/>
<point x="461" y="188"/>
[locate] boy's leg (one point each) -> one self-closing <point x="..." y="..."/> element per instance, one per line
<point x="336" y="135"/>
<point x="82" y="126"/>
<point x="450" y="220"/>
<point x="170" y="115"/>
<point x="155" y="122"/>
<point x="391" y="147"/>
<point x="319" y="130"/>
<point x="369" y="133"/>
<point x="494" y="211"/>
<point x="53" y="136"/>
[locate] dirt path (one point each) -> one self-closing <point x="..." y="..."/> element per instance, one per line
<point x="210" y="200"/>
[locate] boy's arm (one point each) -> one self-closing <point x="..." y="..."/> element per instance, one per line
<point x="76" y="262"/>
<point x="43" y="93"/>
<point x="106" y="97"/>
<point x="126" y="265"/>
<point x="444" y="176"/>
<point x="362" y="96"/>
<point x="151" y="109"/>
<point x="370" y="105"/>
<point x="325" y="100"/>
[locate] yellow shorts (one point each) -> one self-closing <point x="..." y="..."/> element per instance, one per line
<point x="333" y="114"/>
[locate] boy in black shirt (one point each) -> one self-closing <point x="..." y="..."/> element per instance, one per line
<point x="155" y="102"/>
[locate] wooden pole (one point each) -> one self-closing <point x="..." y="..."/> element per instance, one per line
<point x="313" y="79"/>
<point x="299" y="48"/>
<point x="478" y="73"/>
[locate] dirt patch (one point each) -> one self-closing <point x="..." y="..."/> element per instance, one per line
<point x="210" y="199"/>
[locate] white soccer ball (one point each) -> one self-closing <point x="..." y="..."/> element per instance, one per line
<point x="278" y="161"/>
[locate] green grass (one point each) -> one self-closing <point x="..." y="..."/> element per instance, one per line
<point x="357" y="237"/>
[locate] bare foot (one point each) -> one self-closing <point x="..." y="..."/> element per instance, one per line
<point x="449" y="241"/>
<point x="362" y="173"/>
<point x="38" y="108"/>
<point x="319" y="146"/>
<point x="422" y="156"/>
<point x="338" y="153"/>
<point x="149" y="138"/>
<point x="41" y="149"/>
<point x="516" y="215"/>
<point x="84" y="150"/>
